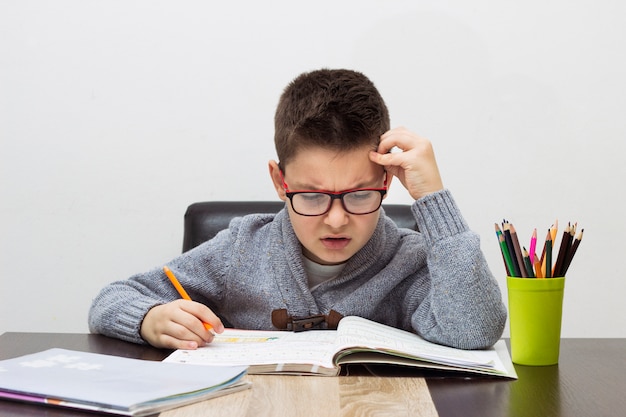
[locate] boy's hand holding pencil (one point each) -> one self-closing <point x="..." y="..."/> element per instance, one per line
<point x="180" y="324"/>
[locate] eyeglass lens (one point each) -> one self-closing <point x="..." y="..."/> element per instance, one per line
<point x="356" y="202"/>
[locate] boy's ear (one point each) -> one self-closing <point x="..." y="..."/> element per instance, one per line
<point x="276" y="179"/>
<point x="389" y="178"/>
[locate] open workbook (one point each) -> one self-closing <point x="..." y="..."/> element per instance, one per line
<point x="112" y="384"/>
<point x="323" y="352"/>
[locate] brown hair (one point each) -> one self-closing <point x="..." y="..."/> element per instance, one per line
<point x="334" y="109"/>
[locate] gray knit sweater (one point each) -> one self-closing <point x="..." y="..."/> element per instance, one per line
<point x="435" y="282"/>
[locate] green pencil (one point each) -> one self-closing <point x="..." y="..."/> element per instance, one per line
<point x="508" y="263"/>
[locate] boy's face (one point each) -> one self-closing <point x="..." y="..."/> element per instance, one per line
<point x="333" y="237"/>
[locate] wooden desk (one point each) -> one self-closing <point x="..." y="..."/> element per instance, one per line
<point x="590" y="380"/>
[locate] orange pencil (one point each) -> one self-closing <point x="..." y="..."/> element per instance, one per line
<point x="181" y="291"/>
<point x="538" y="270"/>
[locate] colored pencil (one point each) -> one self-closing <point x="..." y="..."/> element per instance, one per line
<point x="554" y="230"/>
<point x="538" y="271"/>
<point x="509" y="244"/>
<point x="566" y="241"/>
<point x="527" y="263"/>
<point x="503" y="250"/>
<point x="548" y="255"/>
<point x="518" y="251"/>
<point x="533" y="245"/>
<point x="572" y="252"/>
<point x="549" y="263"/>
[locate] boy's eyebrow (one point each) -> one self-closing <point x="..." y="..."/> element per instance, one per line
<point x="362" y="184"/>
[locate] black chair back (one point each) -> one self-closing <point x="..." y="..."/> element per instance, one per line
<point x="204" y="219"/>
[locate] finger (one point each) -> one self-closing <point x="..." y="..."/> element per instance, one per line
<point x="186" y="326"/>
<point x="171" y="334"/>
<point x="387" y="160"/>
<point x="378" y="158"/>
<point x="403" y="140"/>
<point x="205" y="315"/>
<point x="171" y="342"/>
<point x="192" y="319"/>
<point x="386" y="146"/>
<point x="209" y="317"/>
<point x="399" y="138"/>
<point x="169" y="325"/>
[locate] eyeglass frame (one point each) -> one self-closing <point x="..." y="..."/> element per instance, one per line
<point x="333" y="196"/>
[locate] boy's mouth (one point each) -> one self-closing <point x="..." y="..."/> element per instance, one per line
<point x="335" y="242"/>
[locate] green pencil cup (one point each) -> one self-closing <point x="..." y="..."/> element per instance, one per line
<point x="535" y="310"/>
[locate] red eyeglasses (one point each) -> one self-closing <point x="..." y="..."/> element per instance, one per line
<point x="318" y="202"/>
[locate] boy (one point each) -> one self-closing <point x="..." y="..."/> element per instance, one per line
<point x="331" y="247"/>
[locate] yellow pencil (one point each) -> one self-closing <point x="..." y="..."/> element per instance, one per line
<point x="181" y="291"/>
<point x="554" y="230"/>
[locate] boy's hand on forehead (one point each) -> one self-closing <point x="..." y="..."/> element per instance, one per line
<point x="414" y="164"/>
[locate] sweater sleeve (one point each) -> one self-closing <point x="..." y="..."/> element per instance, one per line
<point x="463" y="306"/>
<point x="118" y="310"/>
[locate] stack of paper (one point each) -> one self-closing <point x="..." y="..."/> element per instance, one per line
<point x="112" y="384"/>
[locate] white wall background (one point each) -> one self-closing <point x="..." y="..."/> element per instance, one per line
<point x="115" y="115"/>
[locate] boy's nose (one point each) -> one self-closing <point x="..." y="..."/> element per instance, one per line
<point x="337" y="216"/>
